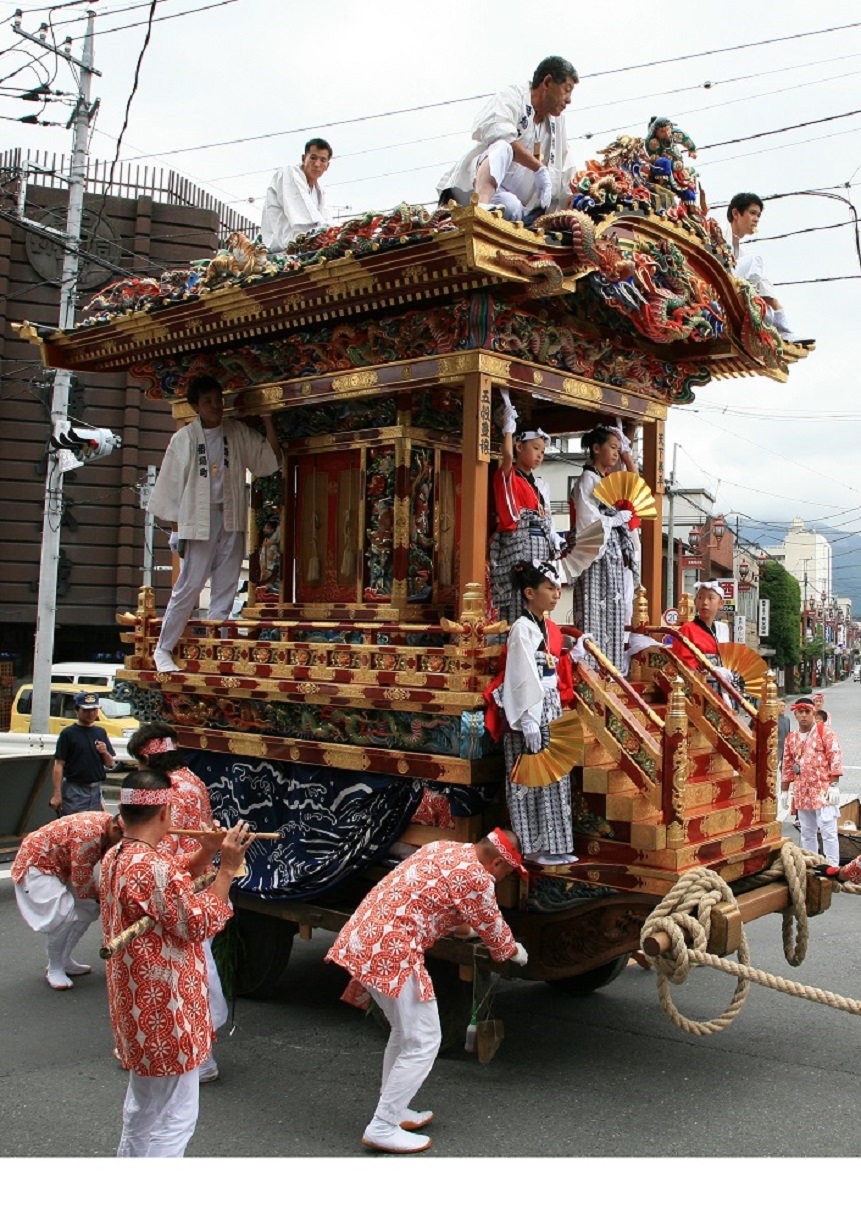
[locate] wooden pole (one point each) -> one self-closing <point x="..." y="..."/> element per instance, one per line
<point x="653" y="530"/>
<point x="474" y="482"/>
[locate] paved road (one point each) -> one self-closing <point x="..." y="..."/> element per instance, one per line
<point x="603" y="1076"/>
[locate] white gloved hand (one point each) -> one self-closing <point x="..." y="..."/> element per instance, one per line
<point x="509" y="419"/>
<point x="531" y="734"/>
<point x="833" y="797"/>
<point x="560" y="541"/>
<point x="620" y="432"/>
<point x="173" y="541"/>
<point x="784" y="804"/>
<point x="543" y="186"/>
<point x="578" y="652"/>
<point x="521" y="957"/>
<point x="622" y="517"/>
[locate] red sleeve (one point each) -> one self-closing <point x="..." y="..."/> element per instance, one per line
<point x="510" y="495"/>
<point x="564" y="669"/>
<point x="494" y="717"/>
<point x="685" y="655"/>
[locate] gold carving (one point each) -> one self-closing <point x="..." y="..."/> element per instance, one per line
<point x="203" y="741"/>
<point x="308" y="688"/>
<point x="494" y="366"/>
<point x="537" y="377"/>
<point x="246" y="744"/>
<point x="295" y="753"/>
<point x="403" y="766"/>
<point x="594" y="847"/>
<point x="593" y="874"/>
<point x="346" y="757"/>
<point x="306" y="388"/>
<point x="395" y="695"/>
<point x="406" y="372"/>
<point x="366" y="379"/>
<point x="455" y="366"/>
<point x="733" y="844"/>
<point x="583" y="389"/>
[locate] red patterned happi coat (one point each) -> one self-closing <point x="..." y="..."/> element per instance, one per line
<point x="157" y="986"/>
<point x="189" y="808"/>
<point x="438" y="887"/>
<point x="69" y="848"/>
<point x="819" y="758"/>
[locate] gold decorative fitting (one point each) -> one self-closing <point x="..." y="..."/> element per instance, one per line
<point x="537" y="377"/>
<point x="494" y="366"/>
<point x="346" y="757"/>
<point x="308" y="688"/>
<point x="351" y="382"/>
<point x="295" y="754"/>
<point x="306" y="388"/>
<point x="255" y="746"/>
<point x="583" y="389"/>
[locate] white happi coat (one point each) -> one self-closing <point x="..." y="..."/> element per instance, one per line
<point x="181" y="491"/>
<point x="506" y="117"/>
<point x="291" y="207"/>
<point x="523" y="688"/>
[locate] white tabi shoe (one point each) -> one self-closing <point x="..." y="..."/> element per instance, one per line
<point x="414" y="1120"/>
<point x="73" y="968"/>
<point x="548" y="859"/>
<point x="58" y="979"/>
<point x="385" y="1137"/>
<point x="208" y="1071"/>
<point x="164" y="662"/>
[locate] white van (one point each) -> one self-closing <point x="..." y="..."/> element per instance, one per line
<point x="84" y="673"/>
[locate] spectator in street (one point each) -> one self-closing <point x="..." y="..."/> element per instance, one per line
<point x="157" y="994"/>
<point x="56" y="887"/>
<point x="383" y="943"/>
<point x="813" y="764"/>
<point x="521" y="160"/>
<point x="154" y="747"/>
<point x="82" y="756"/>
<point x="784" y="724"/>
<point x="295" y="201"/>
<point x="200" y="489"/>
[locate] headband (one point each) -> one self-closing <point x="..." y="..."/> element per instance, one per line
<point x="548" y="571"/>
<point x="507" y="850"/>
<point x="533" y="434"/>
<point x="803" y="702"/>
<point x="146" y="796"/>
<point x="709" y="584"/>
<point x="159" y="745"/>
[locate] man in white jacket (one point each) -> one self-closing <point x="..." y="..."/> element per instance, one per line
<point x="295" y="200"/>
<point x="521" y="160"/>
<point x="200" y="489"/>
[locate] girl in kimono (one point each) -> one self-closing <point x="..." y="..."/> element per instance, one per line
<point x="524" y="532"/>
<point x="531" y="690"/>
<point x="604" y="592"/>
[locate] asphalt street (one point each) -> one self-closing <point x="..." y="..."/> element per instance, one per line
<point x="603" y="1076"/>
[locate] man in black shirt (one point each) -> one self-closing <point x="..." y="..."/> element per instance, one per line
<point x="82" y="755"/>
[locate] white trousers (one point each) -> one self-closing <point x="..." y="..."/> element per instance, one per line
<point x="217" y="558"/>
<point x="159" y="1115"/>
<point x="825" y="821"/>
<point x="410" y="1051"/>
<point x="515" y="183"/>
<point x="217" y="1003"/>
<point x="750" y="267"/>
<point x="49" y="906"/>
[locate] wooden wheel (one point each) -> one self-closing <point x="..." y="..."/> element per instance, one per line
<point x="262" y="950"/>
<point x="591" y="980"/>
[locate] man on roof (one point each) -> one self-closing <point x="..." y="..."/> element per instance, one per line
<point x="521" y="161"/>
<point x="743" y="216"/>
<point x="295" y="201"/>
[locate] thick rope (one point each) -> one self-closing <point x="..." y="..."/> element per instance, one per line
<point x="684" y="915"/>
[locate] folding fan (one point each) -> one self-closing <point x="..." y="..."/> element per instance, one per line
<point x="588" y="544"/>
<point x="627" y="486"/>
<point x="749" y="666"/>
<point x="563" y="751"/>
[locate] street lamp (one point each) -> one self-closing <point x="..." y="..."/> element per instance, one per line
<point x="744" y="569"/>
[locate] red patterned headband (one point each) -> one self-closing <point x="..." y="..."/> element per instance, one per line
<point x="507" y="850"/>
<point x="159" y="745"/>
<point x="145" y="796"/>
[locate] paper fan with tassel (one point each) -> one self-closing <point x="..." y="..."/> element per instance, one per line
<point x="587" y="548"/>
<point x="561" y="754"/>
<point x="748" y="665"/>
<point x="623" y="486"/>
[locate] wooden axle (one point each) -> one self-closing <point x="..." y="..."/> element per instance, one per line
<point x="727" y="918"/>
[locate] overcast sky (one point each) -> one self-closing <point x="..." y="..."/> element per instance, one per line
<point x="255" y="67"/>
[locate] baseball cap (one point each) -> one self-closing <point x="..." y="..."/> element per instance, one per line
<point x="86" y="699"/>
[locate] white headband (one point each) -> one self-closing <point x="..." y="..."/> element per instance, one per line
<point x="709" y="584"/>
<point x="534" y="434"/>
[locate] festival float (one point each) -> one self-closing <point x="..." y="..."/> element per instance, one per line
<point x="344" y="709"/>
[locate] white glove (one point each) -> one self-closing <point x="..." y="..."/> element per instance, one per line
<point x="784" y="804"/>
<point x="173" y="541"/>
<point x="509" y="419"/>
<point x="543" y="186"/>
<point x="521" y="957"/>
<point x="626" y="444"/>
<point x="833" y="797"/>
<point x="560" y="541"/>
<point x="578" y="652"/>
<point x="622" y="517"/>
<point x="531" y="734"/>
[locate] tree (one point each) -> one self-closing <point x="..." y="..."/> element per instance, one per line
<point x="784" y="593"/>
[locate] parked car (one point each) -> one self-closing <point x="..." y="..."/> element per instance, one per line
<point x="856" y="673"/>
<point x="115" y="716"/>
<point x="84" y="673"/>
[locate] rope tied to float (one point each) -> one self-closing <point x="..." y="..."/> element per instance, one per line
<point x="684" y="915"/>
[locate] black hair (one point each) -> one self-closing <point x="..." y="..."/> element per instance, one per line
<point x="528" y="576"/>
<point x="148" y="781"/>
<point x="167" y="760"/>
<point x="201" y="385"/>
<point x="596" y="436"/>
<point x="741" y="202"/>
<point x="318" y="142"/>
<point x="556" y="67"/>
<point x="820" y="711"/>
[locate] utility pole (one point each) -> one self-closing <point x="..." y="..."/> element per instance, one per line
<point x="670" y="492"/>
<point x="53" y="510"/>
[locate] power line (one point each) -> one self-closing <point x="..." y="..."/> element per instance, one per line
<point x="189" y="12"/>
<point x="759" y="135"/>
<point x="822" y="279"/>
